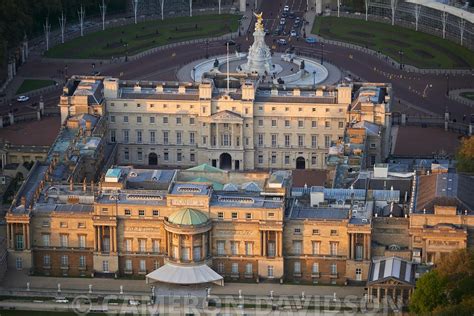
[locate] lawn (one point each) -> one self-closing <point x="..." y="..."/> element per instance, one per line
<point x="33" y="84"/>
<point x="419" y="49"/>
<point x="134" y="38"/>
<point x="468" y="95"/>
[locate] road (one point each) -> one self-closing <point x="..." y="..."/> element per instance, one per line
<point x="423" y="91"/>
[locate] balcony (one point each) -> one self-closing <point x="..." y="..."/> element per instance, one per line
<point x="315" y="275"/>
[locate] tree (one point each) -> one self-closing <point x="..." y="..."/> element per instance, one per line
<point x="465" y="155"/>
<point x="302" y="65"/>
<point x="429" y="293"/>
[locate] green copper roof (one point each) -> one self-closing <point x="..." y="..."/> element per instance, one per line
<point x="205" y="168"/>
<point x="188" y="216"/>
<point x="215" y="185"/>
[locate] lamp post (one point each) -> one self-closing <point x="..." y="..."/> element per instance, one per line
<point x="400" y="52"/>
<point x="322" y="53"/>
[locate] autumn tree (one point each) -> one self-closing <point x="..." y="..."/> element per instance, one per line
<point x="465" y="155"/>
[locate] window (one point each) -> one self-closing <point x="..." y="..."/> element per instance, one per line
<point x="152" y="137"/>
<point x="142" y="245"/>
<point x="248" y="269"/>
<point x="166" y="156"/>
<point x="260" y="108"/>
<point x="300" y="109"/>
<point x="82" y="261"/>
<point x="113" y="137"/>
<point x="297" y="267"/>
<point x="260" y="139"/>
<point x="333" y="268"/>
<point x="287" y="159"/>
<point x="327" y="141"/>
<point x="156" y="213"/>
<point x="314" y="141"/>
<point x="178" y="121"/>
<point x="126" y="154"/>
<point x="128" y="265"/>
<point x="287" y="140"/>
<point x="297" y="231"/>
<point x="82" y="241"/>
<point x="46" y="260"/>
<point x="316" y="247"/>
<point x="300" y="123"/>
<point x="333" y="232"/>
<point x="220" y="268"/>
<point x="341" y="124"/>
<point x="315" y="268"/>
<point x="358" y="274"/>
<point x="204" y="140"/>
<point x="128" y="245"/>
<point x="248" y="215"/>
<point x="260" y="159"/>
<point x="260" y="123"/>
<point x="315" y="231"/>
<point x="373" y="146"/>
<point x="19" y="263"/>
<point x="63" y="240"/>
<point x="333" y="248"/>
<point x="274" y="158"/>
<point x="314" y="124"/>
<point x="300" y="140"/>
<point x="297" y="247"/>
<point x="235" y="268"/>
<point x="126" y="136"/>
<point x="142" y="265"/>
<point x="139" y="154"/>
<point x="220" y="215"/>
<point x="165" y="137"/>
<point x="152" y="120"/>
<point x="156" y="264"/>
<point x="128" y="212"/>
<point x="179" y="138"/>
<point x="270" y="271"/>
<point x="271" y="214"/>
<point x="274" y="140"/>
<point x="112" y="119"/>
<point x="46" y="240"/>
<point x="156" y="245"/>
<point x="220" y="248"/>
<point x="327" y="124"/>
<point x="226" y="140"/>
<point x="63" y="224"/>
<point x="234" y="215"/>
<point x="64" y="261"/>
<point x="234" y="248"/>
<point x="105" y="266"/>
<point x="314" y="160"/>
<point x="105" y="210"/>
<point x="327" y="110"/>
<point x="141" y="212"/>
<point x="165" y="120"/>
<point x="287" y="123"/>
<point x="248" y="248"/>
<point x="274" y="123"/>
<point x="45" y="224"/>
<point x="191" y="121"/>
<point x="139" y="119"/>
<point x="125" y="119"/>
<point x="179" y="156"/>
<point x="191" y="138"/>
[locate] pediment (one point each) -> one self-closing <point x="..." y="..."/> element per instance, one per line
<point x="226" y="116"/>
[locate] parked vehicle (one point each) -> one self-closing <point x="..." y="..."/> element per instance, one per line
<point x="22" y="98"/>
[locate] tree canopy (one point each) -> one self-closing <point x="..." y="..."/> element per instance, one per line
<point x="465" y="155"/>
<point x="448" y="289"/>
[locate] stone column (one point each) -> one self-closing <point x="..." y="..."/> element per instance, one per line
<point x="99" y="239"/>
<point x="242" y="5"/>
<point x="27" y="236"/>
<point x="264" y="243"/>
<point x="9" y="235"/>
<point x="179" y="247"/>
<point x="218" y="144"/>
<point x="203" y="246"/>
<point x="369" y="245"/>
<point x="350" y="246"/>
<point x="23" y="226"/>
<point x="191" y="255"/>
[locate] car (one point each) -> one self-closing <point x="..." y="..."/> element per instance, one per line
<point x="293" y="33"/>
<point x="291" y="15"/>
<point x="231" y="43"/>
<point x="276" y="32"/>
<point x="22" y="98"/>
<point x="267" y="31"/>
<point x="96" y="73"/>
<point x="282" y="21"/>
<point x="311" y="40"/>
<point x="133" y="303"/>
<point x="284" y="14"/>
<point x="281" y="41"/>
<point x="286" y="8"/>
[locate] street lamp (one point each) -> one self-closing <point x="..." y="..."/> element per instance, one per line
<point x="400" y="52"/>
<point x="322" y="53"/>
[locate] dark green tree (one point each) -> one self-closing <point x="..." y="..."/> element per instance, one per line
<point x="429" y="293"/>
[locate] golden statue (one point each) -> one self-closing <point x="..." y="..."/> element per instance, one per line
<point x="259" y="23"/>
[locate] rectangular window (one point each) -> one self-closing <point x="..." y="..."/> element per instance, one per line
<point x="270" y="271"/>
<point x="141" y="212"/>
<point x="274" y="158"/>
<point x="192" y="138"/>
<point x="315" y="231"/>
<point x="316" y="247"/>
<point x="248" y="248"/>
<point x="287" y="159"/>
<point x="112" y="119"/>
<point x="142" y="245"/>
<point x="142" y="265"/>
<point x="287" y="140"/>
<point x="46" y="260"/>
<point x="64" y="240"/>
<point x="191" y="121"/>
<point x="220" y="248"/>
<point x="341" y="124"/>
<point x="156" y="213"/>
<point x="333" y="268"/>
<point x="314" y="124"/>
<point x="152" y="120"/>
<point x="178" y="121"/>
<point x="248" y="215"/>
<point x="235" y="268"/>
<point x="297" y="247"/>
<point x="139" y="137"/>
<point x="260" y="139"/>
<point x="156" y="246"/>
<point x="314" y="141"/>
<point x="274" y="140"/>
<point x="248" y="269"/>
<point x="192" y="157"/>
<point x="128" y="245"/>
<point x="82" y="241"/>
<point x="327" y="141"/>
<point x="297" y="267"/>
<point x="300" y="124"/>
<point x="46" y="240"/>
<point x="126" y="154"/>
<point x="128" y="212"/>
<point x="139" y="154"/>
<point x="287" y="123"/>
<point x="220" y="268"/>
<point x="128" y="265"/>
<point x="64" y="261"/>
<point x="82" y="261"/>
<point x="19" y="263"/>
<point x="105" y="266"/>
<point x="301" y="140"/>
<point x="234" y="248"/>
<point x="315" y="268"/>
<point x="125" y="119"/>
<point x="220" y="215"/>
<point x="327" y="124"/>
<point x="152" y="137"/>
<point x="314" y="160"/>
<point x="165" y="120"/>
<point x="260" y="123"/>
<point x="113" y="137"/>
<point x="166" y="156"/>
<point x="165" y="137"/>
<point x="179" y="138"/>
<point x="179" y="156"/>
<point x="260" y="159"/>
<point x="333" y="248"/>
<point x="274" y="123"/>
<point x="297" y="231"/>
<point x="126" y="136"/>
<point x="333" y="232"/>
<point x="139" y="119"/>
<point x="234" y="215"/>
